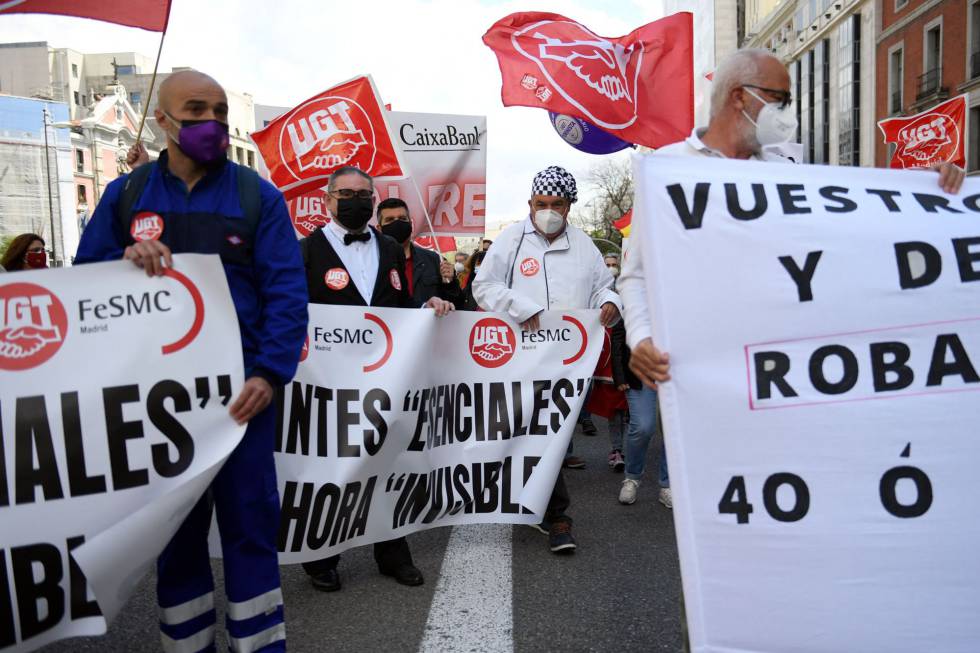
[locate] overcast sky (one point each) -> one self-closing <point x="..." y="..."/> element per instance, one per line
<point x="424" y="56"/>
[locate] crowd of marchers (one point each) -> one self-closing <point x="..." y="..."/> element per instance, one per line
<point x="207" y="204"/>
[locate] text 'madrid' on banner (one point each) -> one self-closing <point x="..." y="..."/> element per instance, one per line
<point x="823" y="326"/>
<point x="114" y="394"/>
<point x="399" y="421"/>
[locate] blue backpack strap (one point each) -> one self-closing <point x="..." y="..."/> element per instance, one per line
<point x="135" y="183"/>
<point x="250" y="197"/>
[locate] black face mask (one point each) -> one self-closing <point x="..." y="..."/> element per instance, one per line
<point x="400" y="230"/>
<point x="354" y="213"/>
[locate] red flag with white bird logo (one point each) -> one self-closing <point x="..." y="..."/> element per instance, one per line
<point x="343" y="126"/>
<point x="147" y="14"/>
<point x="638" y="87"/>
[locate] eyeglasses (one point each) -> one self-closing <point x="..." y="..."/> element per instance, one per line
<point x="348" y="194"/>
<point x="785" y="98"/>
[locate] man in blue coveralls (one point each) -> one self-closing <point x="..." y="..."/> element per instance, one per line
<point x="194" y="200"/>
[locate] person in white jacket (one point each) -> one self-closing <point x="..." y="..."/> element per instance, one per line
<point x="540" y="264"/>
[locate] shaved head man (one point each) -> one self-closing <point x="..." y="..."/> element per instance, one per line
<point x="193" y="200"/>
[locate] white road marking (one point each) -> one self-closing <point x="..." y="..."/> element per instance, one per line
<point x="472" y="609"/>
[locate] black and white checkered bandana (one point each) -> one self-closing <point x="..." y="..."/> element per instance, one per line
<point x="555" y="181"/>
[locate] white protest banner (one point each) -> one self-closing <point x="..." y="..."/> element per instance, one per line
<point x="446" y="158"/>
<point x="823" y="326"/>
<point x="398" y="421"/>
<point x="114" y="417"/>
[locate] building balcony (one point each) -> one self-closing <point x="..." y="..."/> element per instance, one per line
<point x="927" y="85"/>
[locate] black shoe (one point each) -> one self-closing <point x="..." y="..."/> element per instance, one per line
<point x="560" y="538"/>
<point x="544" y="527"/>
<point x="405" y="574"/>
<point x="326" y="581"/>
<point x="588" y="427"/>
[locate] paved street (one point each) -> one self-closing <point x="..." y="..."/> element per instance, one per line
<point x="492" y="588"/>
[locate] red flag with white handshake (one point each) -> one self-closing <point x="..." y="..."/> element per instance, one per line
<point x="342" y="126"/>
<point x="638" y="87"/>
<point x="933" y="136"/>
<point x="150" y="15"/>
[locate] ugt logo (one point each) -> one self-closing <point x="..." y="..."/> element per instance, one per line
<point x="932" y="137"/>
<point x="33" y="325"/>
<point x="492" y="342"/>
<point x="146" y="226"/>
<point x="594" y="74"/>
<point x="325" y="134"/>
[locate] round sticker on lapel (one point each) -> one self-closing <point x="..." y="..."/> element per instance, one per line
<point x="146" y="226"/>
<point x="530" y="267"/>
<point x="336" y="278"/>
<point x="396" y="281"/>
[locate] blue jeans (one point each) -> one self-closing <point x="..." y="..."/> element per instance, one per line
<point x="642" y="426"/>
<point x="618" y="424"/>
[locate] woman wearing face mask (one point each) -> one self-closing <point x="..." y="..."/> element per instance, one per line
<point x="466" y="280"/>
<point x="25" y="252"/>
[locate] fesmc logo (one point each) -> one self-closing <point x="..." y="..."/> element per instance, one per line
<point x="324" y="339"/>
<point x="33" y="325"/>
<point x="146" y="226"/>
<point x="927" y="139"/>
<point x="492" y="342"/>
<point x="592" y="73"/>
<point x="325" y="134"/>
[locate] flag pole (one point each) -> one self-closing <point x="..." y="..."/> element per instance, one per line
<point x="149" y="95"/>
<point x="428" y="220"/>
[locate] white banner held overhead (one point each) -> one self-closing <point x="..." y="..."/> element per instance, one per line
<point x="823" y="326"/>
<point x="398" y="421"/>
<point x="114" y="391"/>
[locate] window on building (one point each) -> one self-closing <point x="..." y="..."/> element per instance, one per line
<point x="806" y="102"/>
<point x="798" y="94"/>
<point x="79" y="161"/>
<point x="239" y="155"/>
<point x="900" y="4"/>
<point x="119" y="114"/>
<point x="973" y="147"/>
<point x="75" y="96"/>
<point x="135" y="98"/>
<point x="849" y="92"/>
<point x="82" y="197"/>
<point x="126" y="70"/>
<point x="251" y="159"/>
<point x="896" y="64"/>
<point x="931" y="78"/>
<point x="974" y="51"/>
<point x="74" y="70"/>
<point x="818" y="117"/>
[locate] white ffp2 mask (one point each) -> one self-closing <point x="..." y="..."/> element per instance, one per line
<point x="549" y="221"/>
<point x="773" y="125"/>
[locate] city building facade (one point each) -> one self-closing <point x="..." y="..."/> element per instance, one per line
<point x="36" y="181"/>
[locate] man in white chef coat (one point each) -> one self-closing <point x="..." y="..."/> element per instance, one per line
<point x="540" y="264"/>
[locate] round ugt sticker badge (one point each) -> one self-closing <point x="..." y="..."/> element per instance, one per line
<point x="146" y="225"/>
<point x="336" y="278"/>
<point x="530" y="267"/>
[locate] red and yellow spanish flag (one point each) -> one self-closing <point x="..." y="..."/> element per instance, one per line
<point x="624" y="223"/>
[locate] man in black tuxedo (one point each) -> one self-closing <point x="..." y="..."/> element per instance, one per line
<point x="351" y="264"/>
<point x="428" y="274"/>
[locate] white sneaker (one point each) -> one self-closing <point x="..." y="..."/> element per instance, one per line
<point x="627" y="494"/>
<point x="665" y="497"/>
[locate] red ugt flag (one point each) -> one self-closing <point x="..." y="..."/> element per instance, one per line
<point x="147" y="14"/>
<point x="343" y="126"/>
<point x="933" y="136"/>
<point x="638" y="87"/>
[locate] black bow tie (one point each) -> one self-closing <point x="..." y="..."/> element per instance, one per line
<point x="363" y="237"/>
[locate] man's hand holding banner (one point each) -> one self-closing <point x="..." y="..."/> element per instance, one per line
<point x="114" y="419"/>
<point x="823" y="327"/>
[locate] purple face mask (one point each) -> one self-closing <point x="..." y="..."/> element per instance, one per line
<point x="204" y="141"/>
